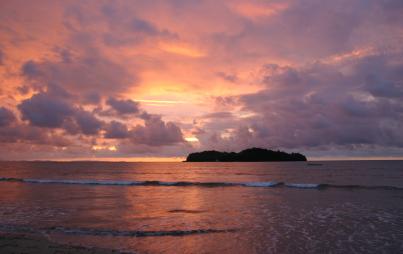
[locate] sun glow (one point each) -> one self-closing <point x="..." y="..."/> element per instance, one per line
<point x="99" y="148"/>
<point x="160" y="101"/>
<point x="192" y="139"/>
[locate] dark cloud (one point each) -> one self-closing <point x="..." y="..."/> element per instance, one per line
<point x="85" y="74"/>
<point x="116" y="130"/>
<point x="1" y="57"/>
<point x="139" y="25"/>
<point x="127" y="29"/>
<point x="156" y="132"/>
<point x="319" y="106"/>
<point x="26" y="134"/>
<point x="300" y="35"/>
<point x="92" y="98"/>
<point x="46" y="110"/>
<point x="123" y="106"/>
<point x="335" y="82"/>
<point x="87" y="122"/>
<point x="7" y="117"/>
<point x="30" y="69"/>
<point x="222" y="102"/>
<point x="228" y="77"/>
<point x="384" y="88"/>
<point x="326" y="31"/>
<point x="43" y="110"/>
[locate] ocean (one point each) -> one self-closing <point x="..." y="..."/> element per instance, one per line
<point x="282" y="207"/>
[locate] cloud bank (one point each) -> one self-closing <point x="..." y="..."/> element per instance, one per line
<point x="118" y="79"/>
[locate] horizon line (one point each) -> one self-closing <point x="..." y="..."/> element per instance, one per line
<point x="178" y="159"/>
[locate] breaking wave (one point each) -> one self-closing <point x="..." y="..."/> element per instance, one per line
<point x="135" y="233"/>
<point x="304" y="185"/>
<point x="110" y="232"/>
<point x="200" y="184"/>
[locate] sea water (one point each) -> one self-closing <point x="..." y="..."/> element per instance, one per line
<point x="283" y="207"/>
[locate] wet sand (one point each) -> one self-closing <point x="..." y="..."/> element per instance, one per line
<point x="27" y="244"/>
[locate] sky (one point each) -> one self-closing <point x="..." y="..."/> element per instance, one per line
<point x="156" y="80"/>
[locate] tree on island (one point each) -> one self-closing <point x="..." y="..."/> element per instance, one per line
<point x="248" y="155"/>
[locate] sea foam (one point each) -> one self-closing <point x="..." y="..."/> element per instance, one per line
<point x="303" y="185"/>
<point x="269" y="184"/>
<point x="261" y="184"/>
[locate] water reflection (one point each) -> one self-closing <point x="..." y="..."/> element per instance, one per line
<point x="258" y="220"/>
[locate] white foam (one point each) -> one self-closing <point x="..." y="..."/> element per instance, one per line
<point x="260" y="184"/>
<point x="139" y="183"/>
<point x="303" y="185"/>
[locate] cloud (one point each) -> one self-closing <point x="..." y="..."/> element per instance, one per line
<point x="89" y="73"/>
<point x="125" y="29"/>
<point x="143" y="26"/>
<point x="43" y="110"/>
<point x="256" y="11"/>
<point x="156" y="132"/>
<point x="222" y="114"/>
<point x="88" y="123"/>
<point x="321" y="106"/>
<point x="7" y="117"/>
<point x="228" y="77"/>
<point x="384" y="88"/>
<point x="92" y="98"/>
<point x="116" y="130"/>
<point x="123" y="106"/>
<point x="1" y="57"/>
<point x="182" y="49"/>
<point x="225" y="102"/>
<point x="25" y="134"/>
<point x="247" y="73"/>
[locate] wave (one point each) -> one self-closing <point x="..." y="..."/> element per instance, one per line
<point x="110" y="232"/>
<point x="262" y="184"/>
<point x="354" y="186"/>
<point x="185" y="211"/>
<point x="304" y="185"/>
<point x="132" y="183"/>
<point x="85" y="182"/>
<point x="200" y="184"/>
<point x="135" y="233"/>
<point x="341" y="186"/>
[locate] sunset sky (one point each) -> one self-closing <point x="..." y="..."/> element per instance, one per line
<point x="155" y="80"/>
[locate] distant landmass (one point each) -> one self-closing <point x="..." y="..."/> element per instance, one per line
<point x="248" y="155"/>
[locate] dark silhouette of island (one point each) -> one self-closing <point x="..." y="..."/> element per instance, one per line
<point x="248" y="155"/>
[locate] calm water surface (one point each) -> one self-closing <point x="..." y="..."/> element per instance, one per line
<point x="288" y="207"/>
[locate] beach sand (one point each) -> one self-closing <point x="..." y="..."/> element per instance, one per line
<point x="28" y="244"/>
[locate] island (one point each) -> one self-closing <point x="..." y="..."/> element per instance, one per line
<point x="248" y="155"/>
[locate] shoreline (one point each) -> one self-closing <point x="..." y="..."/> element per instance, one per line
<point x="26" y="243"/>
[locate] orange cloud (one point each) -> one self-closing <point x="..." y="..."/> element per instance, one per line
<point x="182" y="49"/>
<point x="254" y="11"/>
<point x="357" y="53"/>
<point x="177" y="57"/>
